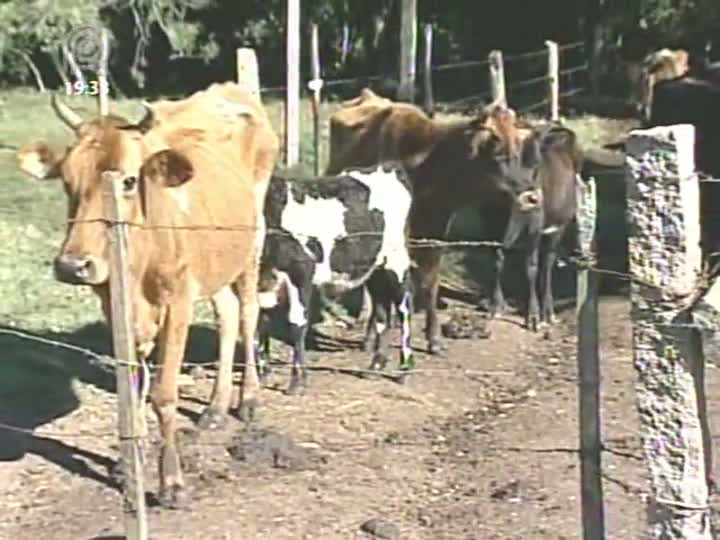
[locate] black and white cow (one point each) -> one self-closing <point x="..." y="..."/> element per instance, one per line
<point x="337" y="233"/>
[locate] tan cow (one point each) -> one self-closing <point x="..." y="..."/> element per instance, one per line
<point x="657" y="66"/>
<point x="194" y="179"/>
<point x="452" y="164"/>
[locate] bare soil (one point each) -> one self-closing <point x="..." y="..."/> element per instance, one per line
<point x="479" y="445"/>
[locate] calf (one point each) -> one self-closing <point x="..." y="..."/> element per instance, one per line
<point x="338" y="233"/>
<point x="546" y="169"/>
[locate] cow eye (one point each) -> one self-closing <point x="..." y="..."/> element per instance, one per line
<point x="129" y="183"/>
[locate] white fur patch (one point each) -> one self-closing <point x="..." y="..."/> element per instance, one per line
<point x="32" y="165"/>
<point x="267" y="299"/>
<point x="319" y="218"/>
<point x="270" y="298"/>
<point x="549" y="230"/>
<point x="181" y="196"/>
<point x="393" y="199"/>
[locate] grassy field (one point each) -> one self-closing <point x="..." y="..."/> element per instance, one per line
<point x="32" y="212"/>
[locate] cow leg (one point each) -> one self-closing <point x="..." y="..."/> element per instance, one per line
<point x="428" y="260"/>
<point x="370" y="326"/>
<point x="404" y="303"/>
<point x="249" y="314"/>
<point x="550" y="256"/>
<point x="515" y="226"/>
<point x="298" y="317"/>
<point x="499" y="305"/>
<point x="262" y="349"/>
<point x="227" y="312"/>
<point x="531" y="266"/>
<point x="363" y="317"/>
<point x="164" y="397"/>
<point x="380" y="307"/>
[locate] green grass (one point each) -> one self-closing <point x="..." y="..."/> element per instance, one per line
<point x="32" y="215"/>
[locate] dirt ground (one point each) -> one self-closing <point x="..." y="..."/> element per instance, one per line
<point x="480" y="445"/>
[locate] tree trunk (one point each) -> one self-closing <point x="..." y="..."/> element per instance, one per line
<point x="77" y="72"/>
<point x="58" y="67"/>
<point x="594" y="44"/>
<point x="33" y="69"/>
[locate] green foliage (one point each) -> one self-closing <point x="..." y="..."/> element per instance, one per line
<point x="178" y="45"/>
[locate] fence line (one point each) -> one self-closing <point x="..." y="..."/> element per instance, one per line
<point x="348" y="81"/>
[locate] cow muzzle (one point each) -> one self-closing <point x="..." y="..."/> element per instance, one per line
<point x="76" y="270"/>
<point x="529" y="200"/>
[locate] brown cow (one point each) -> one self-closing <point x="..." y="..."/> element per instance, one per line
<point x="452" y="164"/>
<point x="193" y="182"/>
<point x="657" y="66"/>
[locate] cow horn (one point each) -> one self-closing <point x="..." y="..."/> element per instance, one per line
<point x="489" y="108"/>
<point x="65" y="113"/>
<point x="149" y="119"/>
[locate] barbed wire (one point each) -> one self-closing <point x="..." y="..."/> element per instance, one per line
<point x="346" y="81"/>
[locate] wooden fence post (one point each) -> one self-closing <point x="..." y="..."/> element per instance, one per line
<point x="102" y="73"/>
<point x="248" y="74"/>
<point x="553" y="81"/>
<point x="593" y="514"/>
<point x="665" y="259"/>
<point x="408" y="50"/>
<point x="497" y="76"/>
<point x="315" y="85"/>
<point x="130" y="423"/>
<point x="427" y="72"/>
<point x="292" y="98"/>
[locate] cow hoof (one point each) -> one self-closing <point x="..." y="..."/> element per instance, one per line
<point x="212" y="419"/>
<point x="296" y="387"/>
<point x="265" y="376"/>
<point x="174" y="498"/>
<point x="532" y="323"/>
<point x="437" y="348"/>
<point x="247" y="410"/>
<point x="379" y="362"/>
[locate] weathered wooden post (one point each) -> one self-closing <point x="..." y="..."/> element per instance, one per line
<point x="408" y="50"/>
<point x="665" y="258"/>
<point x="292" y="96"/>
<point x="248" y="74"/>
<point x="427" y="72"/>
<point x="315" y="85"/>
<point x="497" y="76"/>
<point x="593" y="514"/>
<point x="130" y="423"/>
<point x="553" y="76"/>
<point x="102" y="73"/>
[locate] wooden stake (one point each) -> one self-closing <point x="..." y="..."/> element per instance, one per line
<point x="408" y="50"/>
<point x="553" y="81"/>
<point x="292" y="97"/>
<point x="130" y="424"/>
<point x="102" y="73"/>
<point x="315" y="85"/>
<point x="589" y="369"/>
<point x="247" y="70"/>
<point x="497" y="77"/>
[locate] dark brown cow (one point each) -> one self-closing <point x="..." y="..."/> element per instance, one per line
<point x="205" y="163"/>
<point x="547" y="164"/>
<point x="452" y="164"/>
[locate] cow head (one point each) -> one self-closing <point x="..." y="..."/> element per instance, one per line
<point x="107" y="143"/>
<point x="658" y="66"/>
<point x="499" y="159"/>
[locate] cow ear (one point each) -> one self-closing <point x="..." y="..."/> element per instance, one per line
<point x="40" y="161"/>
<point x="482" y="139"/>
<point x="169" y="168"/>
